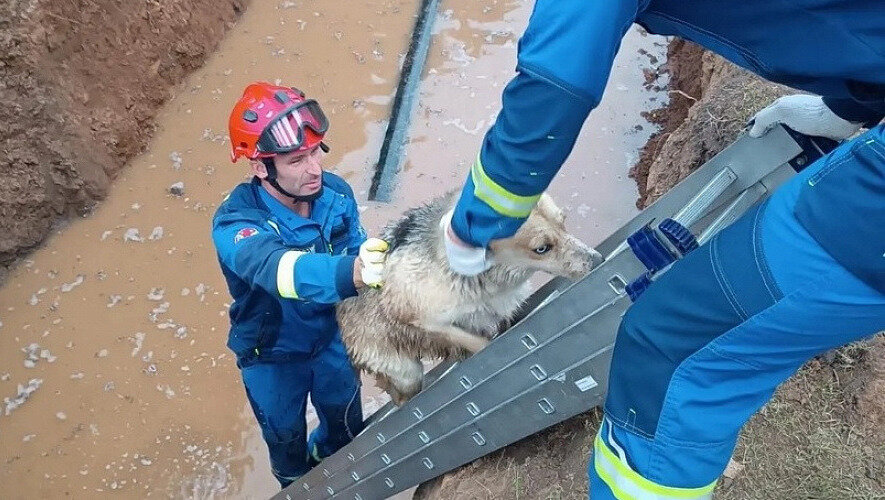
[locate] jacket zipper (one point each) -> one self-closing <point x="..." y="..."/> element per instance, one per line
<point x="326" y="244"/>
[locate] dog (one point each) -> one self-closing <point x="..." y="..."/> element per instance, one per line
<point x="424" y="310"/>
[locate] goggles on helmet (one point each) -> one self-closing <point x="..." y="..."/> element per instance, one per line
<point x="288" y="131"/>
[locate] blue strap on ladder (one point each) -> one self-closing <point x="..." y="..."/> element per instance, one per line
<point x="654" y="254"/>
<point x="679" y="236"/>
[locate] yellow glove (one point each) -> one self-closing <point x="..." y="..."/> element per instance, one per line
<point x="373" y="253"/>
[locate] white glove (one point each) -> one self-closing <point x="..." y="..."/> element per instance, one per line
<point x="373" y="253"/>
<point x="463" y="258"/>
<point x="806" y="114"/>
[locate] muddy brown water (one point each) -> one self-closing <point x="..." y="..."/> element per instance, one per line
<point x="138" y="395"/>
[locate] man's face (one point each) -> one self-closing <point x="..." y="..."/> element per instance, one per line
<point x="300" y="172"/>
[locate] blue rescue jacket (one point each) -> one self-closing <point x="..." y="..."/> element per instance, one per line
<point x="833" y="48"/>
<point x="286" y="272"/>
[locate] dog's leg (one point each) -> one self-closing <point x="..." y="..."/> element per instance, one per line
<point x="399" y="376"/>
<point x="408" y="381"/>
<point x="383" y="382"/>
<point x="456" y="336"/>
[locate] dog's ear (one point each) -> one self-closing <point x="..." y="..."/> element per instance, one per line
<point x="547" y="210"/>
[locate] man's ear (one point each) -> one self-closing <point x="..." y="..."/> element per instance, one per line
<point x="258" y="169"/>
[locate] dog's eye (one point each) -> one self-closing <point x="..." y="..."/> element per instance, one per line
<point x="541" y="250"/>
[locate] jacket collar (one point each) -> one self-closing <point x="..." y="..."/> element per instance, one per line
<point x="319" y="211"/>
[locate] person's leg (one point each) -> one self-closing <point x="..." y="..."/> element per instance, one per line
<point x="278" y="395"/>
<point x="336" y="396"/>
<point x="706" y="346"/>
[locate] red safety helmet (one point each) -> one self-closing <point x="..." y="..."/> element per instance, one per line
<point x="269" y="119"/>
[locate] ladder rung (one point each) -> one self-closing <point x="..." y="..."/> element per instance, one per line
<point x="703" y="201"/>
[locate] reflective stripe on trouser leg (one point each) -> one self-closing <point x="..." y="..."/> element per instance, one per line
<point x="284" y="480"/>
<point x="624" y="483"/>
<point x="715" y="390"/>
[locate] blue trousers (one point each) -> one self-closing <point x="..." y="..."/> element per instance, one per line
<point x="707" y="345"/>
<point x="278" y="393"/>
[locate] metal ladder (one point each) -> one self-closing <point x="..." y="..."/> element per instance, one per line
<point x="553" y="363"/>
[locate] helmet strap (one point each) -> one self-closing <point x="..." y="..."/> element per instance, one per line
<point x="272" y="180"/>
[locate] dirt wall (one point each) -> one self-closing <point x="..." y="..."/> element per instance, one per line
<point x="80" y="83"/>
<point x="711" y="100"/>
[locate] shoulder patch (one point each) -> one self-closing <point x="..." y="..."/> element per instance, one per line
<point x="245" y="233"/>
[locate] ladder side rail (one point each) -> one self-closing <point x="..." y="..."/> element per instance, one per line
<point x="548" y="362"/>
<point x="744" y="155"/>
<point x="508" y="350"/>
<point x="543" y="404"/>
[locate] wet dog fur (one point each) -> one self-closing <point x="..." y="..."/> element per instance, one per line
<point x="424" y="310"/>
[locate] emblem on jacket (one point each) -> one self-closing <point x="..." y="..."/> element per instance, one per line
<point x="245" y="233"/>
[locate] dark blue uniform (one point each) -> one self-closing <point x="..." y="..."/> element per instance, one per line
<point x="285" y="273"/>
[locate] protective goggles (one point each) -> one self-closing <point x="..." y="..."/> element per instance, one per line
<point x="287" y="131"/>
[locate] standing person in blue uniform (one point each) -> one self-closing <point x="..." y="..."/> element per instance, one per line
<point x="291" y="246"/>
<point x="705" y="346"/>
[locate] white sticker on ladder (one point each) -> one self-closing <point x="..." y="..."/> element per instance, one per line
<point x="586" y="383"/>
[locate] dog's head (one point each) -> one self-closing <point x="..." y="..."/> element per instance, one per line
<point x="543" y="243"/>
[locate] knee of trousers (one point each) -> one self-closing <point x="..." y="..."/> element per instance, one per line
<point x="282" y="435"/>
<point x="646" y="355"/>
<point x="282" y="426"/>
<point x="681" y="313"/>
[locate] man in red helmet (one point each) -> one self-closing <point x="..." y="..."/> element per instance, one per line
<point x="291" y="246"/>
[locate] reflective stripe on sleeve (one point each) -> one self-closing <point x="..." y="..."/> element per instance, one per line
<point x="286" y="274"/>
<point x="502" y="201"/>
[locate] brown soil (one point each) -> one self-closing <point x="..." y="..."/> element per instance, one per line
<point x="549" y="465"/>
<point x="81" y="82"/>
<point x="727" y="101"/>
<point x="822" y="434"/>
<point x="710" y="102"/>
<point x="686" y="84"/>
